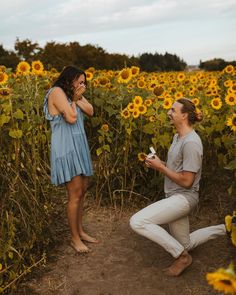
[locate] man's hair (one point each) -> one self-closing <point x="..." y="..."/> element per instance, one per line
<point x="66" y="79"/>
<point x="189" y="107"/>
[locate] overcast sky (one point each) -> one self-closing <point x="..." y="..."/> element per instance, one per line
<point x="192" y="29"/>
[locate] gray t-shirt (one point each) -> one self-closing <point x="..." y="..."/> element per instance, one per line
<point x="185" y="154"/>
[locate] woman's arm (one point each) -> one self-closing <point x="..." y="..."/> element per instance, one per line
<point x="59" y="102"/>
<point x="85" y="106"/>
<point x="81" y="101"/>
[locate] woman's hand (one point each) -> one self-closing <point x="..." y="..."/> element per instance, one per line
<point x="78" y="92"/>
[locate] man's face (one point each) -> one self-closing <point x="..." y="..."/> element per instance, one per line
<point x="175" y="115"/>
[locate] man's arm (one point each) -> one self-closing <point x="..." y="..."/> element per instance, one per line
<point x="183" y="178"/>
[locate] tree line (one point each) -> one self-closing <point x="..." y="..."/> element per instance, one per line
<point x="57" y="55"/>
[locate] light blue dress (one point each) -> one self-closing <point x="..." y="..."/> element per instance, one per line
<point x="70" y="155"/>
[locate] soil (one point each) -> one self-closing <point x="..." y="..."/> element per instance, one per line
<point x="124" y="263"/>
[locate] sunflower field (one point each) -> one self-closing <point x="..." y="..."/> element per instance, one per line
<point x="130" y="116"/>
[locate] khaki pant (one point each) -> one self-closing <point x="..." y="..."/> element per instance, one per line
<point x="173" y="211"/>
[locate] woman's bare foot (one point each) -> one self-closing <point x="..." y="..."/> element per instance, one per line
<point x="79" y="246"/>
<point x="85" y="237"/>
<point x="179" y="265"/>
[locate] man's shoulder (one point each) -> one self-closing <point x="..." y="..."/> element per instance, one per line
<point x="193" y="140"/>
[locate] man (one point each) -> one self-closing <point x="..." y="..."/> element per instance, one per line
<point x="182" y="175"/>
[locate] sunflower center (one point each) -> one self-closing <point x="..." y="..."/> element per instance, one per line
<point x="226" y="282"/>
<point x="37" y="67"/>
<point x="23" y="68"/>
<point x="125" y="74"/>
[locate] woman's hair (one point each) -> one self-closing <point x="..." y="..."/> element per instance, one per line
<point x="189" y="107"/>
<point x="66" y="79"/>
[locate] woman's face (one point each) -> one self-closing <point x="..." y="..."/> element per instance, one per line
<point x="79" y="82"/>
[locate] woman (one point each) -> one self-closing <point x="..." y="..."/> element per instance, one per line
<point x="64" y="107"/>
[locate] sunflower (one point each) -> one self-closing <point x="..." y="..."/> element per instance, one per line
<point x="208" y="92"/>
<point x="196" y="101"/>
<point x="181" y="77"/>
<point x="105" y="128"/>
<point x="2" y="69"/>
<point x="142" y="156"/>
<point x="142" y="109"/>
<point x="167" y="103"/>
<point x="5" y="92"/>
<point x="228" y="83"/>
<point x="141" y="83"/>
<point x="152" y="119"/>
<point x="152" y="85"/>
<point x="37" y="67"/>
<point x="135" y="71"/>
<point x="148" y="102"/>
<point x="229" y="69"/>
<point x="231" y="122"/>
<point x="158" y="90"/>
<point x="103" y="81"/>
<point x="178" y="95"/>
<point x="191" y="93"/>
<point x="90" y="69"/>
<point x="137" y="100"/>
<point x="216" y="103"/>
<point x="23" y="68"/>
<point x="89" y="75"/>
<point x="233" y="88"/>
<point x="3" y="78"/>
<point x="136" y="113"/>
<point x="223" y="280"/>
<point x="230" y="99"/>
<point x="131" y="107"/>
<point x="125" y="75"/>
<point x="193" y="79"/>
<point x="125" y="114"/>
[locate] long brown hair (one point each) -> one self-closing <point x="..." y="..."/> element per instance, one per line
<point x="66" y="79"/>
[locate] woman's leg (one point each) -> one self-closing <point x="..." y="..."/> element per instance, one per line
<point x="75" y="194"/>
<point x="83" y="235"/>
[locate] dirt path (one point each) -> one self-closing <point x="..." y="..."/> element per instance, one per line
<point x="124" y="263"/>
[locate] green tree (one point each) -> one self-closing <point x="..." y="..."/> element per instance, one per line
<point x="27" y="50"/>
<point x="8" y="58"/>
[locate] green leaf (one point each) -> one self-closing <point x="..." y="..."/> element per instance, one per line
<point x="4" y="119"/>
<point x="18" y="114"/>
<point x="110" y="110"/>
<point x="164" y="140"/>
<point x="106" y="147"/>
<point x="95" y="121"/>
<point x="15" y="133"/>
<point x="148" y="128"/>
<point x="98" y="102"/>
<point x="99" y="152"/>
<point x="231" y="165"/>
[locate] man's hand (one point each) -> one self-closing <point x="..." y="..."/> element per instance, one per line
<point x="154" y="163"/>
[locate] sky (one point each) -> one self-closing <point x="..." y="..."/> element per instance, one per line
<point x="194" y="30"/>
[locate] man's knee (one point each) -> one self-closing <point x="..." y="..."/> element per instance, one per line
<point x="135" y="222"/>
